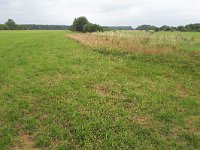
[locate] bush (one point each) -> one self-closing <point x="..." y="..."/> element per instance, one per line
<point x="165" y="28"/>
<point x="2" y="27"/>
<point x="89" y="27"/>
<point x="184" y="30"/>
<point x="147" y="27"/>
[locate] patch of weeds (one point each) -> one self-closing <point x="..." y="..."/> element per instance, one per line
<point x="197" y="124"/>
<point x="166" y="117"/>
<point x="55" y="132"/>
<point x="42" y="140"/>
<point x="190" y="139"/>
<point x="30" y="124"/>
<point x="166" y="129"/>
<point x="13" y="115"/>
<point x="5" y="136"/>
<point x="23" y="105"/>
<point x="65" y="146"/>
<point x="191" y="106"/>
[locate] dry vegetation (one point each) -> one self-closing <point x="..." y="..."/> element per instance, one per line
<point x="147" y="42"/>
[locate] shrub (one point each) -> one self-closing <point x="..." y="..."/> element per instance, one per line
<point x="2" y="27"/>
<point x="89" y="27"/>
<point x="165" y="28"/>
<point x="81" y="24"/>
<point x="184" y="30"/>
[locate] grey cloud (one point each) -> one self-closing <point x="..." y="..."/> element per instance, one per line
<point x="113" y="12"/>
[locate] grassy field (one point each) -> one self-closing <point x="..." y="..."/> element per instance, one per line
<point x="56" y="93"/>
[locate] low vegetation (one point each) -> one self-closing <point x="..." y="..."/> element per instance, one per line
<point x="146" y="42"/>
<point x="58" y="94"/>
<point x="89" y="27"/>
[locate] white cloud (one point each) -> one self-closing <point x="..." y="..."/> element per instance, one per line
<point x="104" y="12"/>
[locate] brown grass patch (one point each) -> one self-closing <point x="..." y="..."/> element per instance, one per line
<point x="181" y="91"/>
<point x="100" y="89"/>
<point x="51" y="80"/>
<point x="110" y="90"/>
<point x="190" y="125"/>
<point x="26" y="143"/>
<point x="143" y="120"/>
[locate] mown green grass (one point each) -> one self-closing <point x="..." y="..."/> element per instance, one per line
<point x="63" y="95"/>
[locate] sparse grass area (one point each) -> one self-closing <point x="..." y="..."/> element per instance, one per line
<point x="58" y="94"/>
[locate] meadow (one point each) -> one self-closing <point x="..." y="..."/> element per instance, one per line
<point x="111" y="90"/>
<point x="149" y="42"/>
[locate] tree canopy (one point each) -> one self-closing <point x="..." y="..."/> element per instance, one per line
<point x="11" y="25"/>
<point x="89" y="27"/>
<point x="187" y="28"/>
<point x="146" y="27"/>
<point x="81" y="24"/>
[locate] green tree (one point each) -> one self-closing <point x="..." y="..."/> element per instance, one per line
<point x="79" y="23"/>
<point x="2" y="27"/>
<point x="165" y="28"/>
<point x="184" y="30"/>
<point x="89" y="27"/>
<point x="180" y="28"/>
<point x="147" y="27"/>
<point x="11" y="25"/>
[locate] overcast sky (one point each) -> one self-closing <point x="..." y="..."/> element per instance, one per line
<point x="103" y="12"/>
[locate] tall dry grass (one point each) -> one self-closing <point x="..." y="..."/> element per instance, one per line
<point x="140" y="41"/>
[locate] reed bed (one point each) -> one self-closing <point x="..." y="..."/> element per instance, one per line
<point x="140" y="41"/>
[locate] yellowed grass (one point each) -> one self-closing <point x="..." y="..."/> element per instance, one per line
<point x="26" y="143"/>
<point x="131" y="41"/>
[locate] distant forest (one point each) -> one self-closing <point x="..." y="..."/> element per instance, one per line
<point x="11" y="25"/>
<point x="44" y="27"/>
<point x="187" y="28"/>
<point x="118" y="27"/>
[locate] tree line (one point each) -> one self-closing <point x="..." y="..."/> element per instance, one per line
<point x="117" y="27"/>
<point x="11" y="25"/>
<point x="186" y="28"/>
<point x="82" y="24"/>
<point x="89" y="27"/>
